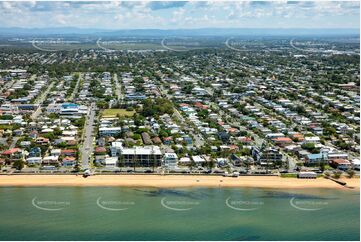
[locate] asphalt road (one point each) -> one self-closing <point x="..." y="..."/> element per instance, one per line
<point x="13" y="143"/>
<point x="118" y="87"/>
<point x="87" y="147"/>
<point x="198" y="139"/>
<point x="76" y="88"/>
<point x="40" y="101"/>
<point x="7" y="85"/>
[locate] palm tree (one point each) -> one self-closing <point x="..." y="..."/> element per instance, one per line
<point x="287" y="162"/>
<point x="121" y="161"/>
<point x="192" y="165"/>
<point x="77" y="167"/>
<point x="322" y="163"/>
<point x="211" y="164"/>
<point x="134" y="160"/>
<point x="248" y="164"/>
<point x="153" y="159"/>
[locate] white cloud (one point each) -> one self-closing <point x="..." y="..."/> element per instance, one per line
<point x="61" y="19"/>
<point x="115" y="14"/>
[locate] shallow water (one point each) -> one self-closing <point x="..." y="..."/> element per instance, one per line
<point x="89" y="213"/>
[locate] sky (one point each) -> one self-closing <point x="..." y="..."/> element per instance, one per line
<point x="180" y="14"/>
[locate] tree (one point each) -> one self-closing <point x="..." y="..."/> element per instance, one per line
<point x="337" y="174"/>
<point x="53" y="115"/>
<point x="350" y="173"/>
<point x="245" y="152"/>
<point x="329" y="131"/>
<point x="308" y="146"/>
<point x="18" y="165"/>
<point x="211" y="164"/>
<point x="192" y="165"/>
<point x="134" y="161"/>
<point x="121" y="161"/>
<point x="102" y="104"/>
<point x="136" y="136"/>
<point x="77" y="167"/>
<point x="153" y="160"/>
<point x="49" y="136"/>
<point x="159" y="106"/>
<point x="57" y="131"/>
<point x="6" y="117"/>
<point x="322" y="166"/>
<point x="343" y="145"/>
<point x="187" y="89"/>
<point x="163" y="133"/>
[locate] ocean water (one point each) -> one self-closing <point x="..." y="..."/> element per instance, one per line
<point x="102" y="213"/>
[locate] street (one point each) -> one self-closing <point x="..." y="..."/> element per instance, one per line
<point x="118" y="88"/>
<point x="75" y="91"/>
<point x="88" y="137"/>
<point x="40" y="100"/>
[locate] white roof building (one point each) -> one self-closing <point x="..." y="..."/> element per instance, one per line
<point x="142" y="150"/>
<point x="312" y="139"/>
<point x="198" y="159"/>
<point x="34" y="160"/>
<point x="111" y="161"/>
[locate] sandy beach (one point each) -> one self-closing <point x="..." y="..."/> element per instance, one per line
<point x="171" y="181"/>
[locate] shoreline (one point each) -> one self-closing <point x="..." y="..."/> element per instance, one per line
<point x="172" y="181"/>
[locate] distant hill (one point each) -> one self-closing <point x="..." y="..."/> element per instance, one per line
<point x="176" y="32"/>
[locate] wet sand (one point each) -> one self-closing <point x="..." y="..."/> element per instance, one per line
<point x="170" y="181"/>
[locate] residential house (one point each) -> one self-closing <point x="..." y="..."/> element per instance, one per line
<point x="170" y="160"/>
<point x="341" y="164"/>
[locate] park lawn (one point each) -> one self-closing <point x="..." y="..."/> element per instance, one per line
<point x="114" y="112"/>
<point x="288" y="175"/>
